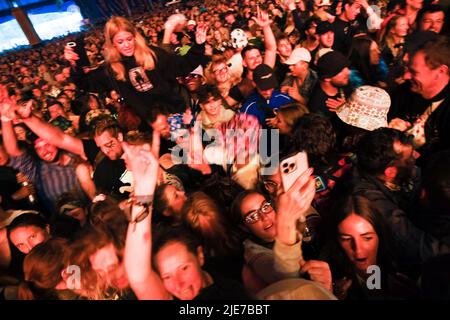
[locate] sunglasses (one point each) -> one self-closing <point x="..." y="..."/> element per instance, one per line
<point x="254" y="216"/>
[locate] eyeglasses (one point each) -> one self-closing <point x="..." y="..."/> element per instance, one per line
<point x="221" y="70"/>
<point x="254" y="216"/>
<point x="191" y="76"/>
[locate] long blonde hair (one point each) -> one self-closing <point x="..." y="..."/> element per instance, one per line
<point x="145" y="57"/>
<point x="387" y="38"/>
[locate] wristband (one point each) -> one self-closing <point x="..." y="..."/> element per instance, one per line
<point x="143" y="200"/>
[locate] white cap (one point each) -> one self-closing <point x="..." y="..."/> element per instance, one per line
<point x="191" y="23"/>
<point x="298" y="54"/>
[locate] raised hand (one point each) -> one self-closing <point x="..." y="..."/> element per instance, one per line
<point x="70" y="55"/>
<point x="319" y="271"/>
<point x="7" y="105"/>
<point x="201" y="34"/>
<point x="144" y="165"/>
<point x="272" y="122"/>
<point x="176" y="23"/>
<point x="262" y="18"/>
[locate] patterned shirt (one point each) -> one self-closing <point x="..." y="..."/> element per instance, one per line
<point x="51" y="180"/>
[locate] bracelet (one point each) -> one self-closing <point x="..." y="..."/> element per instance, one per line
<point x="140" y="216"/>
<point x="142" y="200"/>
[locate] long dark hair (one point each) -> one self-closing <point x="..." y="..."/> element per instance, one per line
<point x="359" y="57"/>
<point x="349" y="203"/>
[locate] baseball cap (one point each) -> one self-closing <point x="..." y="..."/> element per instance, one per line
<point x="298" y="54"/>
<point x="323" y="27"/>
<point x="331" y="63"/>
<point x="10" y="215"/>
<point x="324" y="3"/>
<point x="264" y="77"/>
<point x="191" y="23"/>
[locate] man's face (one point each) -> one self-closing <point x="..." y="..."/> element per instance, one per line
<point x="230" y="19"/>
<point x="432" y="21"/>
<point x="352" y="11"/>
<point x="266" y="94"/>
<point x="46" y="151"/>
<point x="55" y="111"/>
<point x="161" y="125"/>
<point x="311" y="31"/>
<point x="109" y="145"/>
<point x="422" y="77"/>
<point x="327" y="39"/>
<point x="284" y="48"/>
<point x="299" y="69"/>
<point x="341" y="79"/>
<point x="193" y="82"/>
<point x="252" y="59"/>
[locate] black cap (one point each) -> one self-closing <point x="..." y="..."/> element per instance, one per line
<point x="323" y="27"/>
<point x="264" y="77"/>
<point x="415" y="40"/>
<point x="331" y="63"/>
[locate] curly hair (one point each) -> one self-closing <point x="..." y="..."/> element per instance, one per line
<point x="314" y="134"/>
<point x="375" y="151"/>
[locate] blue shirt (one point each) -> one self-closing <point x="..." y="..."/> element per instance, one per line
<point x="261" y="108"/>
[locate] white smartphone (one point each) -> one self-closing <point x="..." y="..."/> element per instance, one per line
<point x="292" y="167"/>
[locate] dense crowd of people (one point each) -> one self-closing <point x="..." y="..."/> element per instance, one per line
<point x="221" y="150"/>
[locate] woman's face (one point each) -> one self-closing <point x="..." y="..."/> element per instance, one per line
<point x="374" y="53"/>
<point x="180" y="270"/>
<point x="359" y="240"/>
<point x="124" y="42"/>
<point x="282" y="125"/>
<point x="107" y="265"/>
<point x="93" y="103"/>
<point x="175" y="198"/>
<point x="27" y="237"/>
<point x="264" y="226"/>
<point x="401" y="27"/>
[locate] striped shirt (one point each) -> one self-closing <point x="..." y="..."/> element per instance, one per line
<point x="50" y="180"/>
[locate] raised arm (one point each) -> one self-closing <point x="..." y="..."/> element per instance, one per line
<point x="51" y="133"/>
<point x="6" y="111"/>
<point x="144" y="281"/>
<point x="262" y="19"/>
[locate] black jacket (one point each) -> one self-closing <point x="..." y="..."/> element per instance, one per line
<point x="412" y="245"/>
